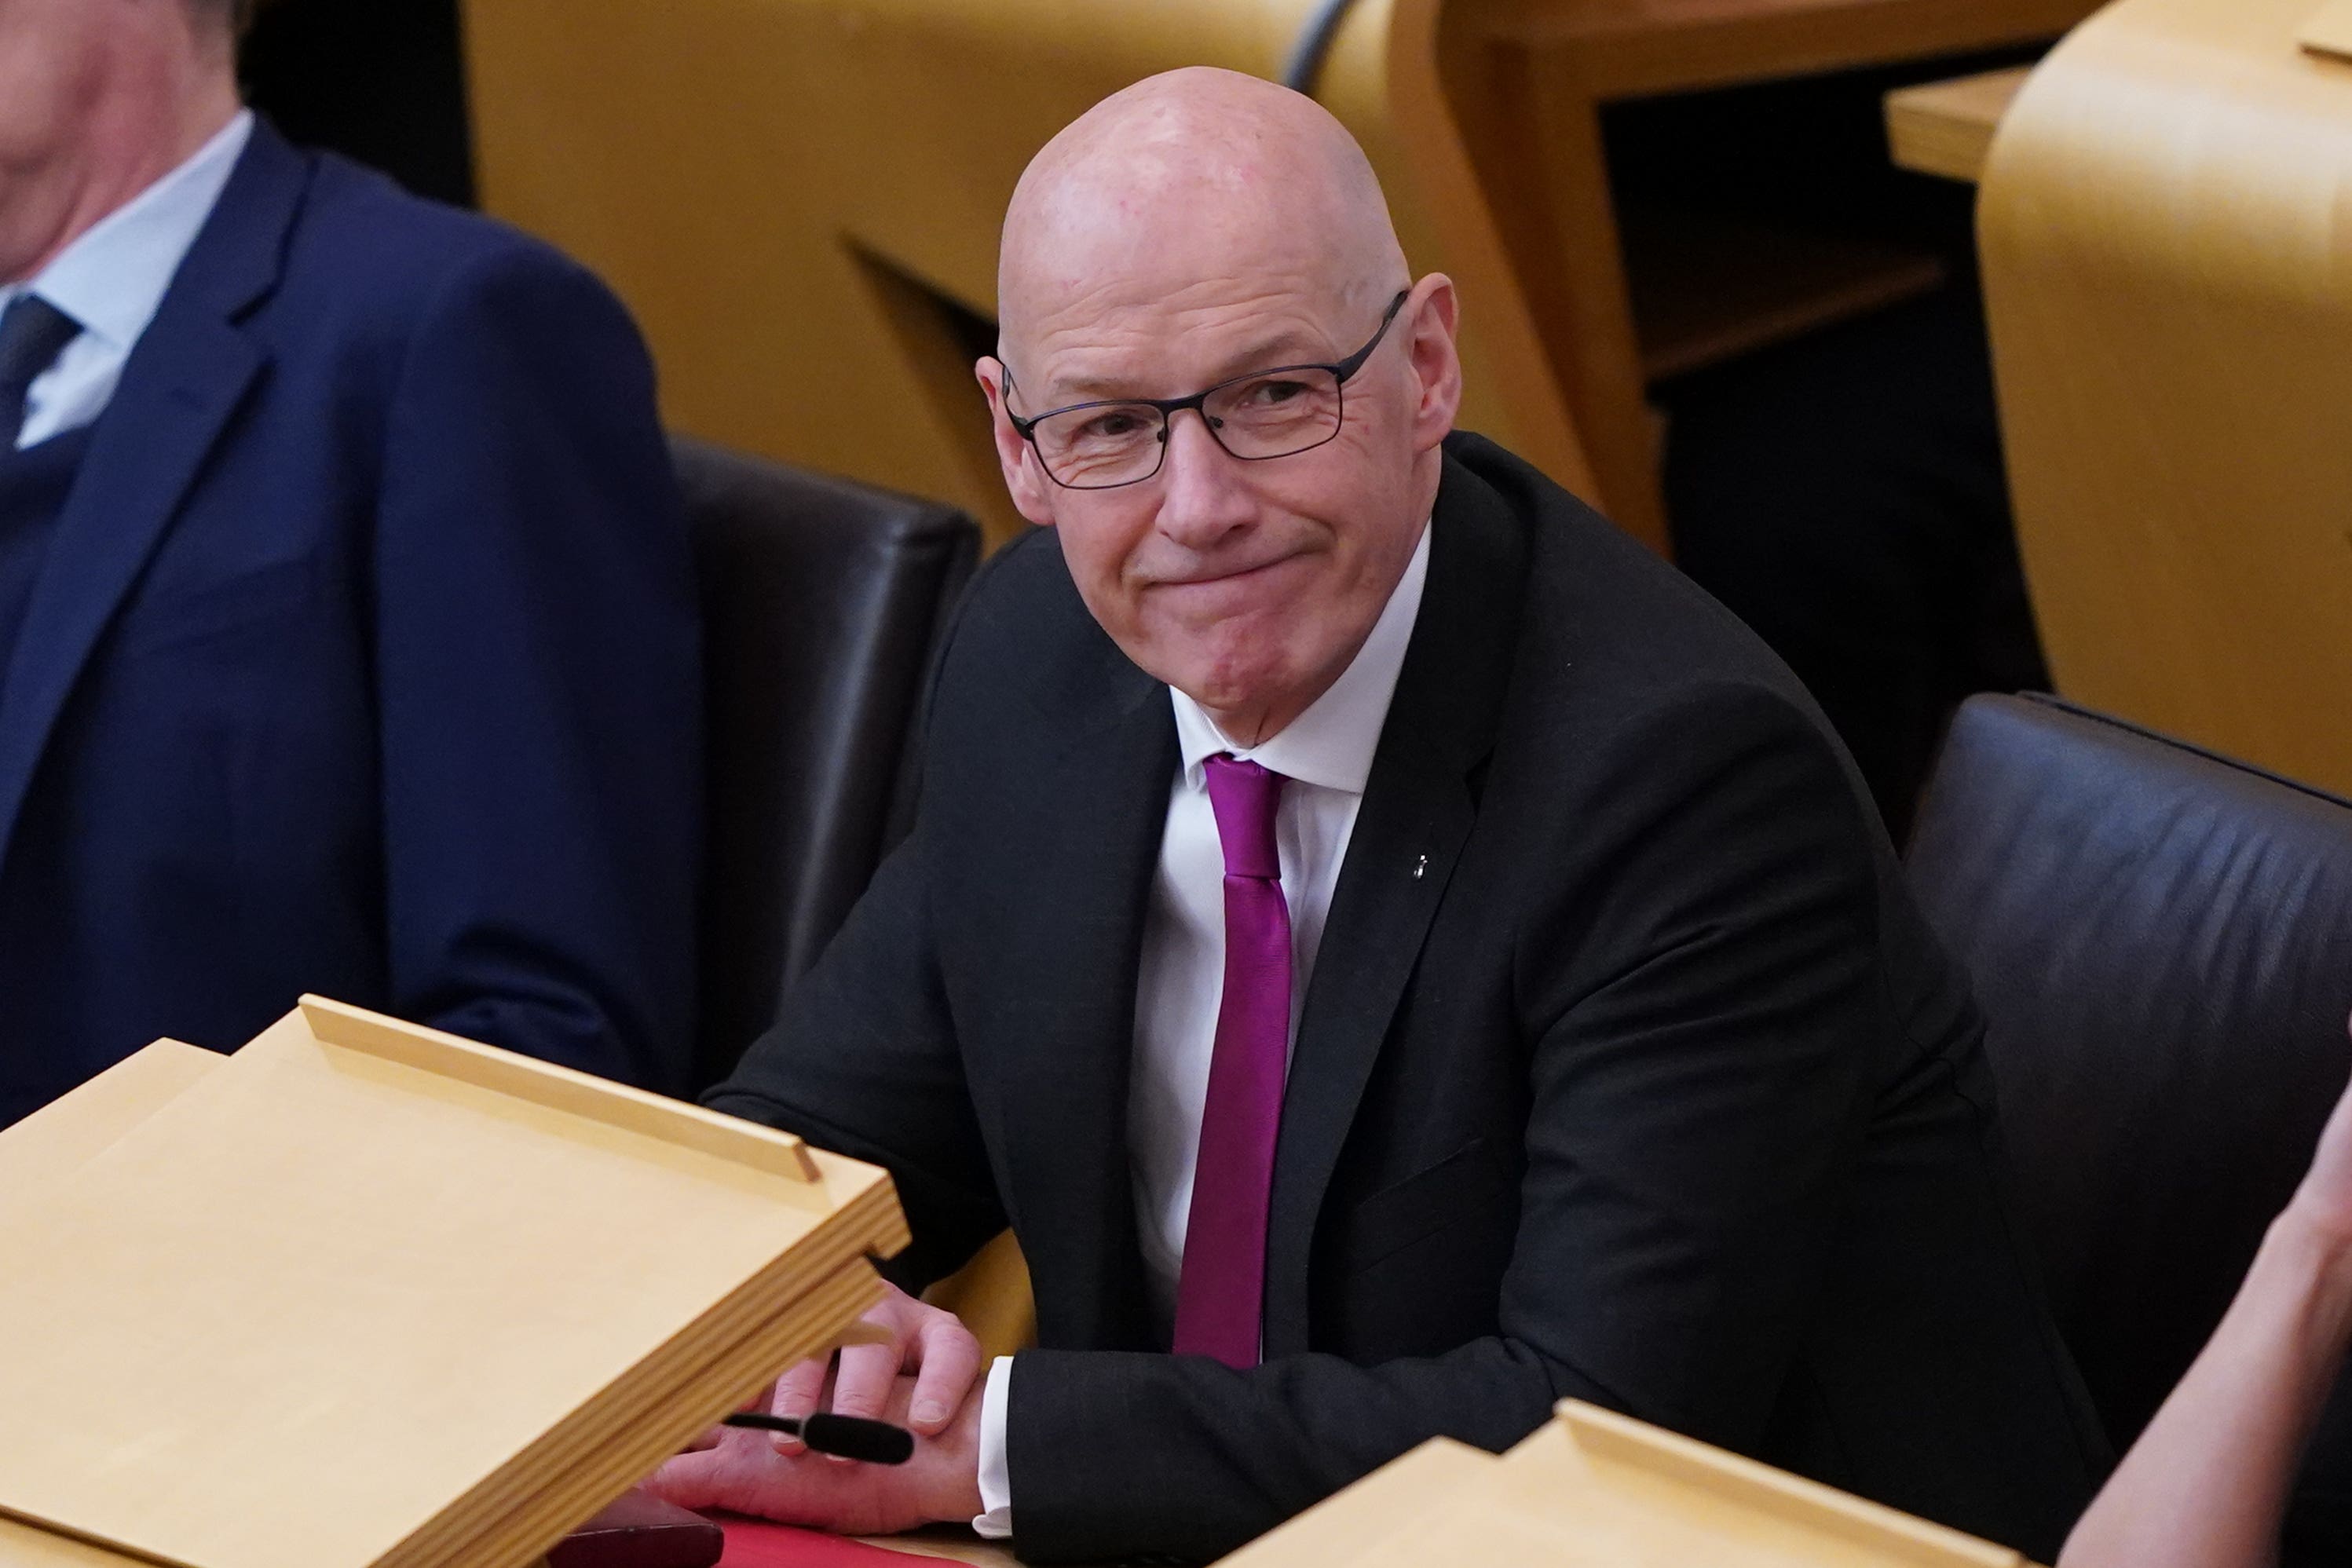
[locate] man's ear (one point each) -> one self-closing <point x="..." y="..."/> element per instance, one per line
<point x="1023" y="480"/>
<point x="1436" y="359"/>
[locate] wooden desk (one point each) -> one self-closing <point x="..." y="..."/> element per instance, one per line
<point x="953" y="1545"/>
<point x="1946" y="128"/>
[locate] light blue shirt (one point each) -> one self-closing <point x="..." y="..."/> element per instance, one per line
<point x="111" y="279"/>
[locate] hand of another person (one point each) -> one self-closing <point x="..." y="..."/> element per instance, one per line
<point x="2323" y="1200"/>
<point x="2207" y="1484"/>
<point x="745" y="1472"/>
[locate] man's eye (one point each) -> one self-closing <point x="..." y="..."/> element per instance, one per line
<point x="1111" y="426"/>
<point x="1271" y="394"/>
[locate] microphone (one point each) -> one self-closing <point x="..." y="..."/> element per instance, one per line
<point x="845" y="1436"/>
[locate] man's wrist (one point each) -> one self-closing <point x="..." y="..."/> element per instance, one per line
<point x="951" y="1492"/>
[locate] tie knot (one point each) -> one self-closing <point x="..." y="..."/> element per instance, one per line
<point x="1246" y="797"/>
<point x="32" y="333"/>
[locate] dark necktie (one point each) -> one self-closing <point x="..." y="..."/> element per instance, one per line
<point x="33" y="332"/>
<point x="1221" y="1288"/>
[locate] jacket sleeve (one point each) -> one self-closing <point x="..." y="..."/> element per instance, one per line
<point x="1702" y="1021"/>
<point x="538" y="679"/>
<point x="863" y="1061"/>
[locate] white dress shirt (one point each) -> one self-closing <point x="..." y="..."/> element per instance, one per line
<point x="111" y="280"/>
<point x="1325" y="754"/>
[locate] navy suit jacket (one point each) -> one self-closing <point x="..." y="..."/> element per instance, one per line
<point x="364" y="660"/>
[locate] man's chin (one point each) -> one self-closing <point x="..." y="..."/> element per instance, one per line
<point x="1227" y="689"/>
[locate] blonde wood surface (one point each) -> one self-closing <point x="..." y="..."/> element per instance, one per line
<point x="2161" y="223"/>
<point x="951" y="1545"/>
<point x="2328" y="30"/>
<point x="47" y="1145"/>
<point x="1350" y="1524"/>
<point x="1593" y="1488"/>
<point x="560" y="1089"/>
<point x="1629" y="49"/>
<point x="800" y="198"/>
<point x="1630" y="1459"/>
<point x="24" y="1546"/>
<point x="327" y="1306"/>
<point x="1946" y="128"/>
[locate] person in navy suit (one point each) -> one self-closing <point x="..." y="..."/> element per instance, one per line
<point x="347" y="632"/>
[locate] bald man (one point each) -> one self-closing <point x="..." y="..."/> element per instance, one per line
<point x="1394" y="951"/>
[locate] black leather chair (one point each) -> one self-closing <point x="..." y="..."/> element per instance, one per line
<point x="2161" y="940"/>
<point x="822" y="604"/>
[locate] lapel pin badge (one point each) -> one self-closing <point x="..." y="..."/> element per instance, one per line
<point x="1420" y="868"/>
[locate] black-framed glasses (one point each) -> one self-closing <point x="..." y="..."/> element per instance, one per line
<point x="1275" y="412"/>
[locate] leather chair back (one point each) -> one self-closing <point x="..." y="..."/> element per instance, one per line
<point x="2162" y="941"/>
<point x="822" y="604"/>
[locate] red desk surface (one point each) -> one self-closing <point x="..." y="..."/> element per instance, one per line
<point x="756" y="1543"/>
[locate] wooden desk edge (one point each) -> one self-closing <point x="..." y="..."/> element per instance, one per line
<point x="1946" y="128"/>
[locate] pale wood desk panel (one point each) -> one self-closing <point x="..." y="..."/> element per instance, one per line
<point x="953" y="1546"/>
<point x="340" y="1391"/>
<point x="2161" y="227"/>
<point x="798" y="197"/>
<point x="1946" y="128"/>
<point x="1591" y="1488"/>
<point x="1629" y="49"/>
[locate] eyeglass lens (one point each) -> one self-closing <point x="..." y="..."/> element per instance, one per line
<point x="1270" y="415"/>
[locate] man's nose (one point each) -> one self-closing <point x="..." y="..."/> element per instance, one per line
<point x="1202" y="497"/>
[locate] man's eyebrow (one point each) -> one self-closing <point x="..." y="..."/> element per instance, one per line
<point x="1291" y="347"/>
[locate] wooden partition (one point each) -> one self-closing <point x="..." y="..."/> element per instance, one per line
<point x="800" y="198"/>
<point x="2166" y="224"/>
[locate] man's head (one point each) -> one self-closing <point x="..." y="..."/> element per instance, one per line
<point x="97" y="98"/>
<point x="1197" y="227"/>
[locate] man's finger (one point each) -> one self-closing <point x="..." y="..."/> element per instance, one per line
<point x="949" y="1361"/>
<point x="797" y="1394"/>
<point x="690" y="1481"/>
<point x="864" y="1383"/>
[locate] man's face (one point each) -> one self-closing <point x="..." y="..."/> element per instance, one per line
<point x="1246" y="584"/>
<point x="51" y="54"/>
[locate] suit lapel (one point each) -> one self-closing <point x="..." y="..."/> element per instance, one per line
<point x="1418" y="809"/>
<point x="1099" y="809"/>
<point x="184" y="380"/>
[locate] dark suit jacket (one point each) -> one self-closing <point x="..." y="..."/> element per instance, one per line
<point x="1653" y="1090"/>
<point x="362" y="660"/>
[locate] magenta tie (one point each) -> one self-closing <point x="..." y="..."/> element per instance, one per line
<point x="1223" y="1283"/>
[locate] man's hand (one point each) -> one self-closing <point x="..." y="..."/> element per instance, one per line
<point x="743" y="1472"/>
<point x="933" y="1344"/>
<point x="922" y="1378"/>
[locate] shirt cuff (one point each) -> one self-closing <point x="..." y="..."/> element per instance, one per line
<point x="995" y="1471"/>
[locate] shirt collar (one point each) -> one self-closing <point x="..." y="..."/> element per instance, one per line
<point x="1331" y="744"/>
<point x="112" y="278"/>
